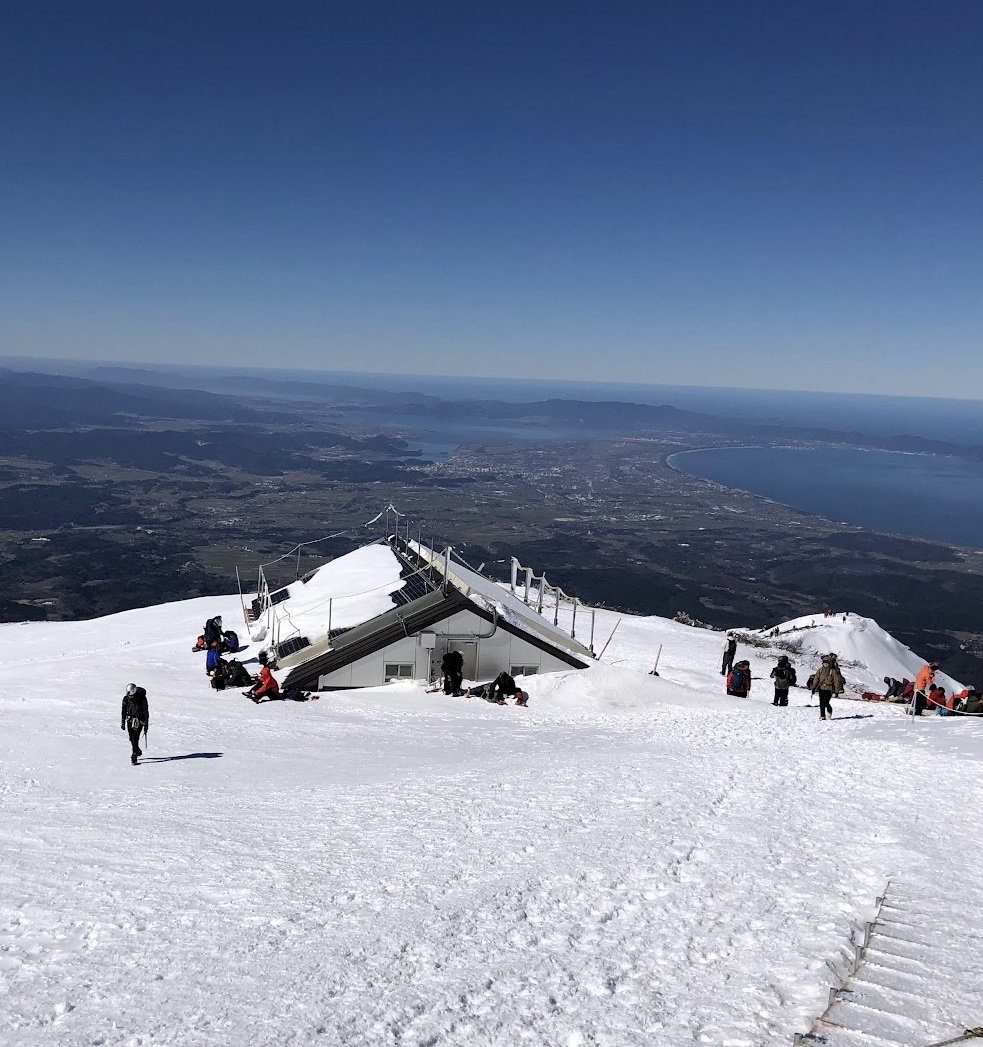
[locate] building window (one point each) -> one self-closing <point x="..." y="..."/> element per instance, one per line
<point x="524" y="670"/>
<point x="399" y="671"/>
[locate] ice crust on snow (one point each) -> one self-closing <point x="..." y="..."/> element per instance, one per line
<point x="632" y="860"/>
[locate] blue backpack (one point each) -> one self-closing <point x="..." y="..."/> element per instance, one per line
<point x="738" y="679"/>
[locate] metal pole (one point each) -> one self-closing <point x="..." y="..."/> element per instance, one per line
<point x="573" y="622"/>
<point x="528" y="584"/>
<point x="658" y="655"/>
<point x="556" y="609"/>
<point x="610" y="638"/>
<point x="330" y="609"/>
<point x="514" y="573"/>
<point x="593" y="618"/>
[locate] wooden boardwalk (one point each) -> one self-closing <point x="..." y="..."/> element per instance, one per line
<point x="919" y="977"/>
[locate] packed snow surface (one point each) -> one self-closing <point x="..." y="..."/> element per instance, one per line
<point x="632" y="860"/>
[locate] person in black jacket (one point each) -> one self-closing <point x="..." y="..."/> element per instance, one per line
<point x="213" y="633"/>
<point x="135" y="717"/>
<point x="784" y="676"/>
<point x="452" y="668"/>
<point x="502" y="687"/>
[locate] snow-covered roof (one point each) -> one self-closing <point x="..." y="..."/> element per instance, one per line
<point x="341" y="594"/>
<point x="492" y="596"/>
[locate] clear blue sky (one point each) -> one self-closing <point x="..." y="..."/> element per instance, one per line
<point x="784" y="194"/>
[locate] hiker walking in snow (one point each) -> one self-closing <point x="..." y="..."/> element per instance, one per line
<point x="784" y="676"/>
<point x="924" y="680"/>
<point x="739" y="680"/>
<point x="730" y="649"/>
<point x="827" y="681"/>
<point x="135" y="717"/>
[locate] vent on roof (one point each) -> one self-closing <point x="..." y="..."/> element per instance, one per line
<point x="292" y="646"/>
<point x="279" y="596"/>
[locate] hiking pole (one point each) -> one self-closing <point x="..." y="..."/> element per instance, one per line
<point x="610" y="638"/>
<point x="655" y="668"/>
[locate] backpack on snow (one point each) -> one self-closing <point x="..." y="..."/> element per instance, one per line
<point x="237" y="675"/>
<point x="231" y="640"/>
<point x="218" y="680"/>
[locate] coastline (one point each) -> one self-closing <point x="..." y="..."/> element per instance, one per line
<point x="875" y="503"/>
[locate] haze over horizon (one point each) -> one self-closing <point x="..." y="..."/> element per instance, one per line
<point x="755" y="195"/>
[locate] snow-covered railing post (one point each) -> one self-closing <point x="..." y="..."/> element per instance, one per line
<point x="528" y="584"/>
<point x="573" y="621"/>
<point x="542" y="588"/>
<point x="330" y="609"/>
<point x="593" y="616"/>
<point x="556" y="606"/>
<point x="514" y="574"/>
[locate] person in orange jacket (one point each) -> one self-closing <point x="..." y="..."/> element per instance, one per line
<point x="924" y="680"/>
<point x="265" y="683"/>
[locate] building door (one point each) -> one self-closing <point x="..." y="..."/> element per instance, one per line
<point x="469" y="648"/>
<point x="469" y="652"/>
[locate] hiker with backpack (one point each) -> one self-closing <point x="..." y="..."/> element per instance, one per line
<point x="784" y="676"/>
<point x="739" y="680"/>
<point x="730" y="650"/>
<point x="827" y="681"/>
<point x="134" y="718"/>
<point x="212" y="633"/>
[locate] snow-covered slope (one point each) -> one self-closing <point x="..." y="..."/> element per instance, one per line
<point x="631" y="860"/>
<point x="864" y="649"/>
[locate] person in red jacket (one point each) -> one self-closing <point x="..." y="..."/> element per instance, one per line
<point x="936" y="698"/>
<point x="739" y="680"/>
<point x="265" y="685"/>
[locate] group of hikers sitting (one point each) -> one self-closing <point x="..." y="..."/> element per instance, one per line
<point x="224" y="673"/>
<point x="923" y="695"/>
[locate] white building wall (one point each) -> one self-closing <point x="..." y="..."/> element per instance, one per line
<point x="493" y="654"/>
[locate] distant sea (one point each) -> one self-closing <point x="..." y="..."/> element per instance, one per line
<point x="927" y="496"/>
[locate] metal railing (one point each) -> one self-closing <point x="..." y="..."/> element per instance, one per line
<point x="544" y="593"/>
